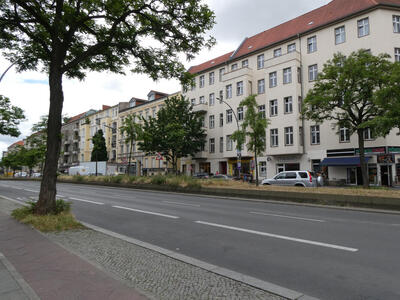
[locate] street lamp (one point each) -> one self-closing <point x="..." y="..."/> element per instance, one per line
<point x="1" y="78"/>
<point x="239" y="145"/>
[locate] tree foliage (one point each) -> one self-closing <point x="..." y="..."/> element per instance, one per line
<point x="37" y="140"/>
<point x="130" y="129"/>
<point x="176" y="132"/>
<point x="254" y="127"/>
<point x="99" y="151"/>
<point x="345" y="92"/>
<point x="72" y="37"/>
<point x="10" y="117"/>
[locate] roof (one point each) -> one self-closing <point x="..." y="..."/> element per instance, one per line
<point x="19" y="143"/>
<point x="324" y="15"/>
<point x="74" y="118"/>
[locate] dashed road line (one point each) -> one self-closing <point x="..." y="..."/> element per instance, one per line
<point x="88" y="201"/>
<point x="146" y="212"/>
<point x="184" y="204"/>
<point x="28" y="190"/>
<point x="288" y="238"/>
<point x="288" y="217"/>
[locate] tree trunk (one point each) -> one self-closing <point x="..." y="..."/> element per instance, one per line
<point x="129" y="159"/>
<point x="47" y="196"/>
<point x="363" y="164"/>
<point x="256" y="166"/>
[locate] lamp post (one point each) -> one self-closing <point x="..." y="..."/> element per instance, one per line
<point x="1" y="78"/>
<point x="239" y="145"/>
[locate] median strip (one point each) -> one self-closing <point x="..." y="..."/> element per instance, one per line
<point x="88" y="201"/>
<point x="288" y="217"/>
<point x="146" y="212"/>
<point x="314" y="243"/>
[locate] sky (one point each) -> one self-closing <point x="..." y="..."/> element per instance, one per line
<point x="235" y="20"/>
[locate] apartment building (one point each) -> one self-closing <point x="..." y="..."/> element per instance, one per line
<point x="141" y="164"/>
<point x="280" y="66"/>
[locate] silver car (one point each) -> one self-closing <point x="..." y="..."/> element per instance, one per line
<point x="293" y="178"/>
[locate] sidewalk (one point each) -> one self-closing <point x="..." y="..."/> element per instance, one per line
<point x="30" y="260"/>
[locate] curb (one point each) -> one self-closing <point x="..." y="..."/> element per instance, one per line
<point x="28" y="291"/>
<point x="254" y="282"/>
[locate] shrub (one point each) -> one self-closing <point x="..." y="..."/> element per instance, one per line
<point x="116" y="179"/>
<point x="62" y="206"/>
<point x="158" y="179"/>
<point x="78" y="178"/>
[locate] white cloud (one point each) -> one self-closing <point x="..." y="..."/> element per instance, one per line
<point x="236" y="19"/>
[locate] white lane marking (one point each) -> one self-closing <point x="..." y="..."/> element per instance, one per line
<point x="31" y="190"/>
<point x="58" y="195"/>
<point x="288" y="238"/>
<point x="284" y="216"/>
<point x="179" y="203"/>
<point x="88" y="201"/>
<point x="395" y="224"/>
<point x="146" y="212"/>
<point x="13" y="200"/>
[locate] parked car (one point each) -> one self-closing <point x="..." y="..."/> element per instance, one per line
<point x="222" y="177"/>
<point x="293" y="178"/>
<point x="21" y="174"/>
<point x="36" y="175"/>
<point x="201" y="175"/>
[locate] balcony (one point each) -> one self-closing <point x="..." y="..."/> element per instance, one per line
<point x="237" y="73"/>
<point x="201" y="155"/>
<point x="201" y="107"/>
<point x="292" y="56"/>
<point x="76" y="129"/>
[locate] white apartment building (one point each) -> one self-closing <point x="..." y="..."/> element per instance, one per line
<point x="280" y="65"/>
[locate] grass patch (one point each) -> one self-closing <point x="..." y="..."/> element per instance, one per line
<point x="60" y="221"/>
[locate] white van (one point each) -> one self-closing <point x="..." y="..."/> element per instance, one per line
<point x="78" y="170"/>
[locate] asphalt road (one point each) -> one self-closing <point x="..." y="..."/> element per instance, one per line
<point x="322" y="252"/>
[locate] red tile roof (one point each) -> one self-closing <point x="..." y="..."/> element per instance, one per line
<point x="209" y="64"/>
<point x="19" y="143"/>
<point x="331" y="12"/>
<point x="74" y="118"/>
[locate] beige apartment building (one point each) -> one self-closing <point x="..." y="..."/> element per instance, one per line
<point x="141" y="164"/>
<point x="280" y="65"/>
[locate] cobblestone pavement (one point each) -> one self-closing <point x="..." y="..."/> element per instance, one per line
<point x="157" y="275"/>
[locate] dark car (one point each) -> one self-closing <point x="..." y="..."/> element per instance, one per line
<point x="201" y="175"/>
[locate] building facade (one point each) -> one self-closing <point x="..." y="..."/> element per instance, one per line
<point x="280" y="66"/>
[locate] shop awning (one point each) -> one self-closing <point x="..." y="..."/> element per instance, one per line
<point x="343" y="161"/>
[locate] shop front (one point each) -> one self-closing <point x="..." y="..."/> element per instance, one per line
<point x="246" y="166"/>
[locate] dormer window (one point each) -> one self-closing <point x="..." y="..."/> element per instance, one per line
<point x="132" y="103"/>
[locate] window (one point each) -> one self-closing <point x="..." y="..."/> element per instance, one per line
<point x="261" y="111"/>
<point x="229" y="143"/>
<point x="287" y="75"/>
<point x="239" y="88"/>
<point x="193" y="102"/>
<point x="211" y="121"/>
<point x="396" y="24"/>
<point x="263" y="168"/>
<point x="274" y="138"/>
<point x="272" y="79"/>
<point x="203" y="146"/>
<point x="363" y="27"/>
<point x="229" y="116"/>
<point x="202" y="100"/>
<point x="340" y="35"/>
<point x="245" y="63"/>
<point x="221" y="73"/>
<point x="203" y="122"/>
<point x="315" y="135"/>
<point x="261" y="86"/>
<point x="291" y="48"/>
<point x="288" y="136"/>
<point x="273" y="108"/>
<point x="260" y="61"/>
<point x="288" y="105"/>
<point x="153" y="112"/>
<point x="368" y="135"/>
<point x="202" y="81"/>
<point x="312" y="44"/>
<point x="277" y="52"/>
<point x="234" y="67"/>
<point x="221" y="96"/>
<point x="212" y="145"/>
<point x="211" y="78"/>
<point x="240" y="113"/>
<point x="211" y="99"/>
<point x="344" y="136"/>
<point x="221" y="119"/>
<point x="229" y="91"/>
<point x="397" y="54"/>
<point x="221" y="144"/>
<point x="312" y="72"/>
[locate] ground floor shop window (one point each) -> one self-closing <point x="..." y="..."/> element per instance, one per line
<point x="316" y="166"/>
<point x="398" y="173"/>
<point x="263" y="168"/>
<point x="373" y="174"/>
<point x="287" y="167"/>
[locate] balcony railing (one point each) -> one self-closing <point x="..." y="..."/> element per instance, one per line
<point x="201" y="107"/>
<point x="282" y="59"/>
<point x="246" y="71"/>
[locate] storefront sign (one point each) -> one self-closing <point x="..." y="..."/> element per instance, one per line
<point x="377" y="150"/>
<point x="394" y="149"/>
<point x="385" y="159"/>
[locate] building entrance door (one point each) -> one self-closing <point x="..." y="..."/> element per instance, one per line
<point x="386" y="175"/>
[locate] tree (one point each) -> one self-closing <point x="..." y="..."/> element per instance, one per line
<point x="346" y="92"/>
<point x="130" y="129"/>
<point x="253" y="127"/>
<point x="176" y="132"/>
<point x="69" y="38"/>
<point x="99" y="151"/>
<point x="388" y="98"/>
<point x="37" y="140"/>
<point x="10" y="117"/>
